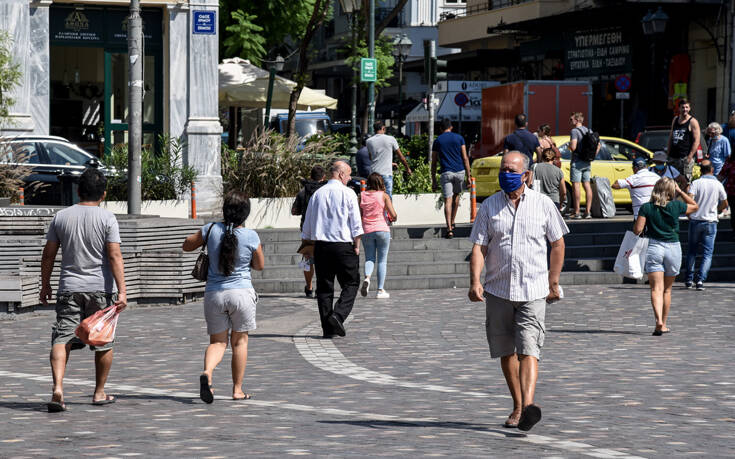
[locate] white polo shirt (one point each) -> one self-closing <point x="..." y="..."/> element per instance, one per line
<point x="640" y="185"/>
<point x="707" y="192"/>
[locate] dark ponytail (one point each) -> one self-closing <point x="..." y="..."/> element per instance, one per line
<point x="235" y="209"/>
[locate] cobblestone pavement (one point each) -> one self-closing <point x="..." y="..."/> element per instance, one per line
<point x="413" y="377"/>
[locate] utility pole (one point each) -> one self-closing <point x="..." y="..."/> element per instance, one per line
<point x="135" y="106"/>
<point x="430" y="94"/>
<point x="371" y="52"/>
<point x="353" y="118"/>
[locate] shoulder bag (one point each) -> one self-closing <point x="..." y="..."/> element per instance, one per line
<point x="201" y="267"/>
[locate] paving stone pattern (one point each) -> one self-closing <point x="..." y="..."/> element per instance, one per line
<point x="413" y="377"/>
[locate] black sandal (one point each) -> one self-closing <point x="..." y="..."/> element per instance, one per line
<point x="450" y="234"/>
<point x="205" y="390"/>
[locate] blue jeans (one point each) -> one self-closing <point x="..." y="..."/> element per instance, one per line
<point x="700" y="232"/>
<point x="388" y="181"/>
<point x="376" y="246"/>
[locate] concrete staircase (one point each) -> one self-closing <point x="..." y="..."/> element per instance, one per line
<point x="420" y="258"/>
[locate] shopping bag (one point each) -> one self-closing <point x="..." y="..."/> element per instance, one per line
<point x="631" y="257"/>
<point x="99" y="328"/>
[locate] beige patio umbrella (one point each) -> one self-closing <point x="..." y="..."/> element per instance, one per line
<point x="242" y="84"/>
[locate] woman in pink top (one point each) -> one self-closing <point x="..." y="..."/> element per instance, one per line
<point x="374" y="205"/>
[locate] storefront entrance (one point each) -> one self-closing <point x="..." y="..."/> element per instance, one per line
<point x="89" y="76"/>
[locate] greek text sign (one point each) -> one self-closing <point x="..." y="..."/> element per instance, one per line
<point x="368" y="69"/>
<point x="597" y="52"/>
<point x="205" y="23"/>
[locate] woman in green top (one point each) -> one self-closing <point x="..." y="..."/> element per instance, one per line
<point x="660" y="219"/>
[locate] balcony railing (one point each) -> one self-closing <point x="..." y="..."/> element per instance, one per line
<point x="481" y="7"/>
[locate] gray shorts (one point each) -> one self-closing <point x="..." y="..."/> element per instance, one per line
<point x="514" y="327"/>
<point x="232" y="309"/>
<point x="452" y="183"/>
<point x="71" y="310"/>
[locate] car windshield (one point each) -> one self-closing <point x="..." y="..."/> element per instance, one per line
<point x="308" y="127"/>
<point x="65" y="155"/>
<point x="20" y="153"/>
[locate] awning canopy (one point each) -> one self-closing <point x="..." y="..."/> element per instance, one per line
<point x="242" y="84"/>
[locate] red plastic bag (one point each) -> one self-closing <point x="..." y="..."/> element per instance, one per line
<point x="99" y="328"/>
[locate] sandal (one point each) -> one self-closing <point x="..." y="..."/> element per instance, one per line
<point x="105" y="401"/>
<point x="205" y="390"/>
<point x="246" y="397"/>
<point x="56" y="407"/>
<point x="450" y="234"/>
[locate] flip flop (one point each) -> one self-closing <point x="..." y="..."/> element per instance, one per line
<point x="246" y="397"/>
<point x="530" y="416"/>
<point x="205" y="390"/>
<point x="56" y="407"/>
<point x="450" y="234"/>
<point x="510" y="424"/>
<point x="108" y="400"/>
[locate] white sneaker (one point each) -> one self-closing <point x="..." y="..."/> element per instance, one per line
<point x="382" y="295"/>
<point x="365" y="287"/>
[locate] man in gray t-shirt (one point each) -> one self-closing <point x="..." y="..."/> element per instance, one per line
<point x="380" y="151"/>
<point x="91" y="268"/>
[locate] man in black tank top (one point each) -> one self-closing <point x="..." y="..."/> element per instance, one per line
<point x="683" y="140"/>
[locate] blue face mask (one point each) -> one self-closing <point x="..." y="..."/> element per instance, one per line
<point x="510" y="181"/>
<point x="660" y="167"/>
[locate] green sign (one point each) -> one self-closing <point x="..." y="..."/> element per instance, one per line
<point x="368" y="69"/>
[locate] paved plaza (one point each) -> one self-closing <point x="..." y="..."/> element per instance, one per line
<point x="413" y="377"/>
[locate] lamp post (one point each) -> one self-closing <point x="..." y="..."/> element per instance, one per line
<point x="274" y="67"/>
<point x="654" y="25"/>
<point x="401" y="49"/>
<point x="350" y="7"/>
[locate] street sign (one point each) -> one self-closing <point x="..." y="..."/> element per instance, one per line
<point x="461" y="99"/>
<point x="622" y="95"/>
<point x="622" y="83"/>
<point x="205" y="23"/>
<point x="368" y="69"/>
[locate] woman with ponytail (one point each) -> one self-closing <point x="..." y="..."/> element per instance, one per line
<point x="229" y="297"/>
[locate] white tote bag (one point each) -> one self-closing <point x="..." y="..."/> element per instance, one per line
<point x="631" y="256"/>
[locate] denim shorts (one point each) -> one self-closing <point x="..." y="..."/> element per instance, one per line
<point x="230" y="309"/>
<point x="579" y="171"/>
<point x="663" y="257"/>
<point x="452" y="183"/>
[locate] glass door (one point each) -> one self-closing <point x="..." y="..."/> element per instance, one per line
<point x="116" y="98"/>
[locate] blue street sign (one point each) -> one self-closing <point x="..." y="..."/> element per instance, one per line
<point x="205" y="23"/>
<point x="622" y="83"/>
<point x="461" y="99"/>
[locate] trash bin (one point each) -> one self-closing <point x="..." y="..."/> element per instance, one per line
<point x="69" y="183"/>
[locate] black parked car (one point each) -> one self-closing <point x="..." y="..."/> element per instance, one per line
<point x="57" y="165"/>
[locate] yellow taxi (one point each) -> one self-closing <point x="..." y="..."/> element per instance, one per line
<point x="614" y="161"/>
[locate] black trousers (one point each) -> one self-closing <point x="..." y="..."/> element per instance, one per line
<point x="335" y="259"/>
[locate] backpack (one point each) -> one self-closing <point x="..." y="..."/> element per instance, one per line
<point x="587" y="145"/>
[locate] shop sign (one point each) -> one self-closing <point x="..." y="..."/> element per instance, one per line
<point x="205" y="23"/>
<point x="597" y="52"/>
<point x="70" y="25"/>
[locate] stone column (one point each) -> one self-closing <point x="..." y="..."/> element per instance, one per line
<point x="40" y="66"/>
<point x="203" y="128"/>
<point x="15" y="19"/>
<point x="178" y="58"/>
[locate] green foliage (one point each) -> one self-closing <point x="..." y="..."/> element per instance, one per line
<point x="415" y="147"/>
<point x="383" y="55"/>
<point x="271" y="165"/>
<point x="418" y="182"/>
<point x="11" y="176"/>
<point x="9" y="75"/>
<point x="245" y="38"/>
<point x="336" y="143"/>
<point x="163" y="177"/>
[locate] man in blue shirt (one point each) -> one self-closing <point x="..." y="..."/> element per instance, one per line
<point x="449" y="149"/>
<point x="522" y="140"/>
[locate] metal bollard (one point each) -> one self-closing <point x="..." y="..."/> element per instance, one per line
<point x="193" y="201"/>
<point x="363" y="186"/>
<point x="21" y="197"/>
<point x="473" y="200"/>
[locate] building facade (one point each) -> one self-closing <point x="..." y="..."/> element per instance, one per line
<point x="600" y="41"/>
<point x="74" y="63"/>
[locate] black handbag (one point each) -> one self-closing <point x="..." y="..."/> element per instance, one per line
<point x="201" y="267"/>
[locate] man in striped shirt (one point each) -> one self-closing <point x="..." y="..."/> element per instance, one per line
<point x="510" y="234"/>
<point x="640" y="184"/>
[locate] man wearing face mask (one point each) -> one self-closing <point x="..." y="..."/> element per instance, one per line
<point x="510" y="237"/>
<point x="661" y="168"/>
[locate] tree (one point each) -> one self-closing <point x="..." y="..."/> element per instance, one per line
<point x="245" y="39"/>
<point x="9" y="76"/>
<point x="319" y="13"/>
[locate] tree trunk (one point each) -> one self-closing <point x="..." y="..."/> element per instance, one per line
<point x="394" y="12"/>
<point x="321" y="7"/>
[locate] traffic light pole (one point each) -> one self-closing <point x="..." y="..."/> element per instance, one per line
<point x="135" y="106"/>
<point x="430" y="93"/>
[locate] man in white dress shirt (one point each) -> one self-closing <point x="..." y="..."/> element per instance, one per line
<point x="509" y="235"/>
<point x="333" y="222"/>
